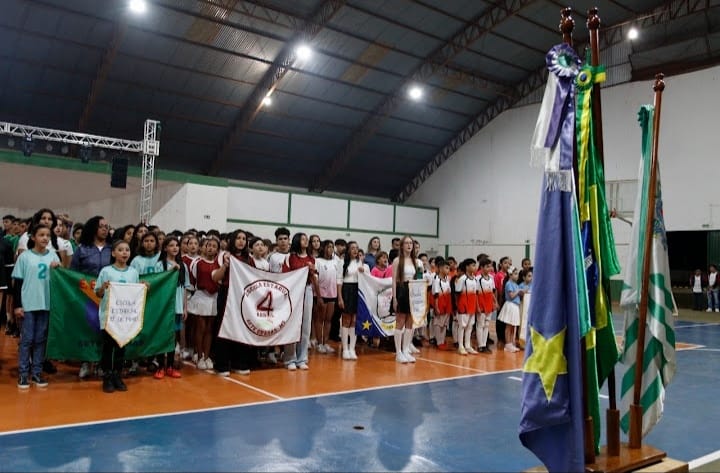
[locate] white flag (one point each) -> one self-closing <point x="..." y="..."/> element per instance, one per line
<point x="264" y="309"/>
<point x="374" y="314"/>
<point x="125" y="311"/>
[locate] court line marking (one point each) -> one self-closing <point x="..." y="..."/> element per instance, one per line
<point x="704" y="460"/>
<point x="706" y="349"/>
<point x="515" y="378"/>
<point x="453" y="365"/>
<point x="249" y="386"/>
<point x="708" y="324"/>
<point x="248" y="404"/>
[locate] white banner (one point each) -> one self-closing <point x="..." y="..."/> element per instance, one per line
<point x="374" y="315"/>
<point x="264" y="309"/>
<point x="418" y="302"/>
<point x="125" y="311"/>
<point x="524" y="306"/>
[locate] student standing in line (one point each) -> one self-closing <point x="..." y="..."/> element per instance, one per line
<point x="347" y="288"/>
<point x="382" y="267"/>
<point x="466" y="288"/>
<point x="500" y="277"/>
<point x="282" y="249"/>
<point x="113" y="356"/>
<point x="189" y="254"/>
<point x="339" y="258"/>
<point x="32" y="303"/>
<point x="373" y="249"/>
<point x="258" y="254"/>
<point x="296" y="354"/>
<point x="441" y="302"/>
<point x="405" y="268"/>
<point x="487" y="302"/>
<point x="171" y="260"/>
<point x="327" y="284"/>
<point x="203" y="303"/>
<point x="510" y="312"/>
<point x="713" y="290"/>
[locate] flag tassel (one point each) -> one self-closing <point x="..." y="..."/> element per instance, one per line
<point x="636" y="414"/>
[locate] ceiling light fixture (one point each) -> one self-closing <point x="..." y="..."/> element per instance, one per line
<point x="138" y="6"/>
<point x="303" y="52"/>
<point x="267" y="101"/>
<point x="415" y="92"/>
<point x="633" y="33"/>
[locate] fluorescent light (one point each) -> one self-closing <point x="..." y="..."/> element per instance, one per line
<point x="415" y="92"/>
<point x="267" y="101"/>
<point x="633" y="33"/>
<point x="138" y="6"/>
<point x="303" y="52"/>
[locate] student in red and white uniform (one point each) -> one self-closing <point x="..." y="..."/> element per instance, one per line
<point x="347" y="285"/>
<point x="203" y="303"/>
<point x="442" y="303"/>
<point x="466" y="288"/>
<point x="258" y="254"/>
<point x="189" y="247"/>
<point x="487" y="302"/>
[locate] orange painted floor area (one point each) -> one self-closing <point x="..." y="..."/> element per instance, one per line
<point x="68" y="400"/>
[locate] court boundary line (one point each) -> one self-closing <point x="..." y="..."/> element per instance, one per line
<point x="477" y="370"/>
<point x="704" y="460"/>
<point x="702" y="324"/>
<point x="250" y="386"/>
<point x="248" y="404"/>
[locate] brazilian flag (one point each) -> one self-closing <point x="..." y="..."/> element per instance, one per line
<point x="74" y="332"/>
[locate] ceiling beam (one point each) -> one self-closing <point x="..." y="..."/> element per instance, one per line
<point x="480" y="25"/>
<point x="102" y="73"/>
<point x="609" y="37"/>
<point x="272" y="76"/>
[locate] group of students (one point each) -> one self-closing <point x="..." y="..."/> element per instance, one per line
<point x="461" y="297"/>
<point x="706" y="286"/>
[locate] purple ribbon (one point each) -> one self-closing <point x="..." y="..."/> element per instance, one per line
<point x="562" y="61"/>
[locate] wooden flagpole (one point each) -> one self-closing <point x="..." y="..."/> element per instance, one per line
<point x="612" y="414"/>
<point x="635" y="407"/>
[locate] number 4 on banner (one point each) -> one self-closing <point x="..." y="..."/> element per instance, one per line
<point x="266" y="304"/>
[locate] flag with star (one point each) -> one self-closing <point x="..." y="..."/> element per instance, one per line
<point x="551" y="424"/>
<point x="374" y="315"/>
<point x="659" y="350"/>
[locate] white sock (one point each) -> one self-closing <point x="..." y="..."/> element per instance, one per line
<point x="398" y="340"/>
<point x="353" y="338"/>
<point x="344" y="338"/>
<point x="460" y="339"/>
<point x="455" y="330"/>
<point x="468" y="335"/>
<point x="407" y="340"/>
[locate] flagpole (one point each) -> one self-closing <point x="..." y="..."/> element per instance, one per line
<point x="612" y="413"/>
<point x="567" y="25"/>
<point x="636" y="413"/>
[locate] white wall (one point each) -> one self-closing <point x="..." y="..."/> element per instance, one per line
<point x="487" y="190"/>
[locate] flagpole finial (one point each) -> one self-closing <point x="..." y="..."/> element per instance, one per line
<point x="659" y="82"/>
<point x="567" y="24"/>
<point x="593" y="21"/>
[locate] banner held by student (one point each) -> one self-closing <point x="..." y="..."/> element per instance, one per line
<point x="374" y="315"/>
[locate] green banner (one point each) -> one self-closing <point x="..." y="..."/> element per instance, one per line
<point x="74" y="332"/>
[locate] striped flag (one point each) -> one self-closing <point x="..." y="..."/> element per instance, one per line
<point x="659" y="349"/>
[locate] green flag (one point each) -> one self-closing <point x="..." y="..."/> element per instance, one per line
<point x="659" y="350"/>
<point x="74" y="332"/>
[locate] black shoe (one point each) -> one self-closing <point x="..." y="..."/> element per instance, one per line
<point x="433" y="342"/>
<point x="48" y="367"/>
<point x="10" y="328"/>
<point x="490" y="341"/>
<point x="39" y="381"/>
<point x="108" y="385"/>
<point x="118" y="382"/>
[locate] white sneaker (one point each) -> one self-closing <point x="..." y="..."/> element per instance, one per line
<point x="462" y="351"/>
<point x="329" y="349"/>
<point x="201" y="365"/>
<point x="471" y="350"/>
<point x="717" y="310"/>
<point x="400" y="357"/>
<point x="321" y="349"/>
<point x="195" y="358"/>
<point x="509" y="347"/>
<point x="313" y="343"/>
<point x="84" y="370"/>
<point x="177" y="348"/>
<point x="346" y="355"/>
<point x="209" y="364"/>
<point x="185" y="355"/>
<point x="413" y="349"/>
<point x="223" y="374"/>
<point x="291" y="367"/>
<point x="272" y="358"/>
<point x="708" y="309"/>
<point x="241" y="372"/>
<point x="353" y="355"/>
<point x="303" y="366"/>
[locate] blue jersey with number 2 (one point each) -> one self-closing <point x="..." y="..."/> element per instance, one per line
<point x="34" y="270"/>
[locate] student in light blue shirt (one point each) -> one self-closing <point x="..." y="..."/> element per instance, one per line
<point x="32" y="301"/>
<point x="113" y="355"/>
<point x="147" y="260"/>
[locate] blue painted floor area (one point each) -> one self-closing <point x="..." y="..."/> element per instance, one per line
<point x="467" y="424"/>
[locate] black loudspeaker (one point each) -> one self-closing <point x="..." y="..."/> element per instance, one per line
<point x="118" y="178"/>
